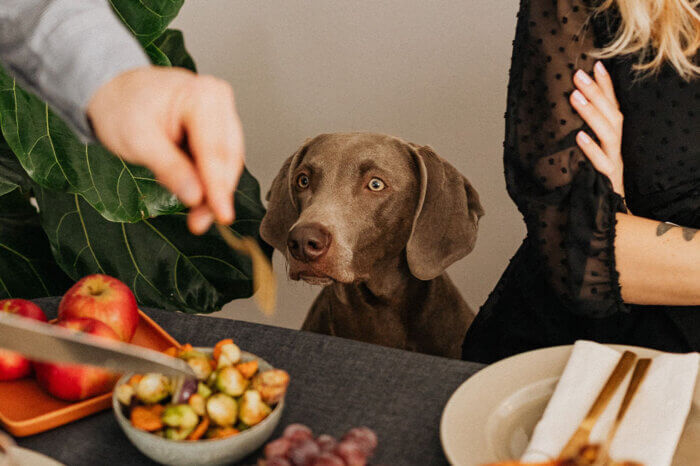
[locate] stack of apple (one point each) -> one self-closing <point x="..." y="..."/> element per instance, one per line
<point x="99" y="305"/>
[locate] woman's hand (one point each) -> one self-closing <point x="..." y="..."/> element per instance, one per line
<point x="595" y="101"/>
<point x="144" y="116"/>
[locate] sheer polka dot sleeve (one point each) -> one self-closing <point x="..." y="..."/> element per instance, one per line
<point x="569" y="208"/>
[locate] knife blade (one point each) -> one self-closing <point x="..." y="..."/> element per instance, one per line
<point x="46" y="342"/>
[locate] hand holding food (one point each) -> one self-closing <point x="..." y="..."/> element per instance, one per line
<point x="230" y="395"/>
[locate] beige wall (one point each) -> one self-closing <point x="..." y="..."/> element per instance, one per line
<point x="432" y="72"/>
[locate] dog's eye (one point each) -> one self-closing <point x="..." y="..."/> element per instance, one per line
<point x="375" y="184"/>
<point x="303" y="181"/>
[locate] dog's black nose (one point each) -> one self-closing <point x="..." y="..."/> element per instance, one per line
<point x="308" y="242"/>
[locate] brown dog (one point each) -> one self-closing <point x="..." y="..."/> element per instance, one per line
<point x="376" y="220"/>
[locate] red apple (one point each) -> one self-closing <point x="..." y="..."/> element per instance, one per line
<point x="13" y="365"/>
<point x="103" y="298"/>
<point x="72" y="382"/>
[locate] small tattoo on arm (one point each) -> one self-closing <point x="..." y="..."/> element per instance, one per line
<point x="664" y="227"/>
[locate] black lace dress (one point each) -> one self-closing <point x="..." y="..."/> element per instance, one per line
<point x="562" y="284"/>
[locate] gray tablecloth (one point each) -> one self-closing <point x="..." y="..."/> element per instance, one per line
<point x="336" y="384"/>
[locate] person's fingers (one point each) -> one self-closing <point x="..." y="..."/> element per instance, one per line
<point x="603" y="79"/>
<point x="595" y="120"/>
<point x="215" y="138"/>
<point x="172" y="168"/>
<point x="595" y="154"/>
<point x="597" y="97"/>
<point x="199" y="219"/>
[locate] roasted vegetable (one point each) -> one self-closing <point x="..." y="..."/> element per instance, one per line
<point x="203" y="390"/>
<point x="125" y="393"/>
<point x="222" y="432"/>
<point x="181" y="420"/>
<point x="271" y="384"/>
<point x="222" y="410"/>
<point x="230" y="381"/>
<point x="152" y="388"/>
<point x="226" y="353"/>
<point x="251" y="408"/>
<point x="198" y="404"/>
<point x="201" y="367"/>
<point x="147" y="418"/>
<point x="247" y="369"/>
<point x="200" y="430"/>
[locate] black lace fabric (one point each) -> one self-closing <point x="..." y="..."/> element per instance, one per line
<point x="568" y="206"/>
<point x="562" y="284"/>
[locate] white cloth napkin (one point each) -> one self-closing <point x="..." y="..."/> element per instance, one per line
<point x="650" y="430"/>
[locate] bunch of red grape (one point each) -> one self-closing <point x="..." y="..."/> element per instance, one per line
<point x="298" y="447"/>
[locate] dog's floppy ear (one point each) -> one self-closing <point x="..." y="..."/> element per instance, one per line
<point x="447" y="216"/>
<point x="281" y="209"/>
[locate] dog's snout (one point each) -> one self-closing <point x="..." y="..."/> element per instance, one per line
<point x="309" y="242"/>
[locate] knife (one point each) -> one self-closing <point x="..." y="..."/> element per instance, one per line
<point x="46" y="342"/>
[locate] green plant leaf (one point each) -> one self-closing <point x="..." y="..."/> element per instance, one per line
<point x="27" y="268"/>
<point x="158" y="258"/>
<point x="146" y="19"/>
<point x="12" y="175"/>
<point x="54" y="158"/>
<point x="172" y="44"/>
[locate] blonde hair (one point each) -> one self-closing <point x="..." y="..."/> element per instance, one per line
<point x="659" y="31"/>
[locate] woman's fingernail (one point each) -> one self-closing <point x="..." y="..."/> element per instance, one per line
<point x="578" y="97"/>
<point x="583" y="77"/>
<point x="600" y="68"/>
<point x="584" y="138"/>
<point x="203" y="222"/>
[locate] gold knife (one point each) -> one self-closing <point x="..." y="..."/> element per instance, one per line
<point x="580" y="437"/>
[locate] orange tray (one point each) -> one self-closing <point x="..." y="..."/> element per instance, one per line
<point x="25" y="409"/>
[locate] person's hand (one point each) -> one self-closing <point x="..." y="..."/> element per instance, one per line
<point x="595" y="101"/>
<point x="146" y="114"/>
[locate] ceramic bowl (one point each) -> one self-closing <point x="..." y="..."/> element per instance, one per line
<point x="201" y="452"/>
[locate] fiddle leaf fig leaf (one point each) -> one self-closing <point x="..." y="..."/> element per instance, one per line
<point x="158" y="258"/>
<point x="27" y="268"/>
<point x="146" y="19"/>
<point x="55" y="159"/>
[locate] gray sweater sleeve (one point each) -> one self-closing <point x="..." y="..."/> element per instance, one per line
<point x="64" y="50"/>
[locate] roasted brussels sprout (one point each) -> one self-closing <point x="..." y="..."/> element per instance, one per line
<point x="222" y="410"/>
<point x="251" y="408"/>
<point x="198" y="404"/>
<point x="201" y="367"/>
<point x="229" y="354"/>
<point x="180" y="416"/>
<point x="125" y="393"/>
<point x="271" y="384"/>
<point x="152" y="388"/>
<point x="231" y="382"/>
<point x="203" y="390"/>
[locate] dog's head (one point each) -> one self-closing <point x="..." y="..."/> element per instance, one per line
<point x="345" y="203"/>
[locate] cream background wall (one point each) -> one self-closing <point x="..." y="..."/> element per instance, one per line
<point x="431" y="72"/>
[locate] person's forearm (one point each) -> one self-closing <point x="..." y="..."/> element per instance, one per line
<point x="64" y="50"/>
<point x="658" y="263"/>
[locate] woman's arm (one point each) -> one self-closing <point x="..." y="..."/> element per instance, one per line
<point x="658" y="263"/>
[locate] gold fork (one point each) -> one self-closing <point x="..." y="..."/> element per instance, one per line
<point x="264" y="282"/>
<point x="580" y="437"/>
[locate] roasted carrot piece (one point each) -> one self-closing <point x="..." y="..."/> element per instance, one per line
<point x="172" y="351"/>
<point x="135" y="379"/>
<point x="147" y="418"/>
<point x="248" y="369"/>
<point x="199" y="431"/>
<point x="217" y="348"/>
<point x="185" y="348"/>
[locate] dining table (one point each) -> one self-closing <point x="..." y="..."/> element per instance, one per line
<point x="336" y="384"/>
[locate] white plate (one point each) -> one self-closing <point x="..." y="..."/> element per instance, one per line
<point x="491" y="416"/>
